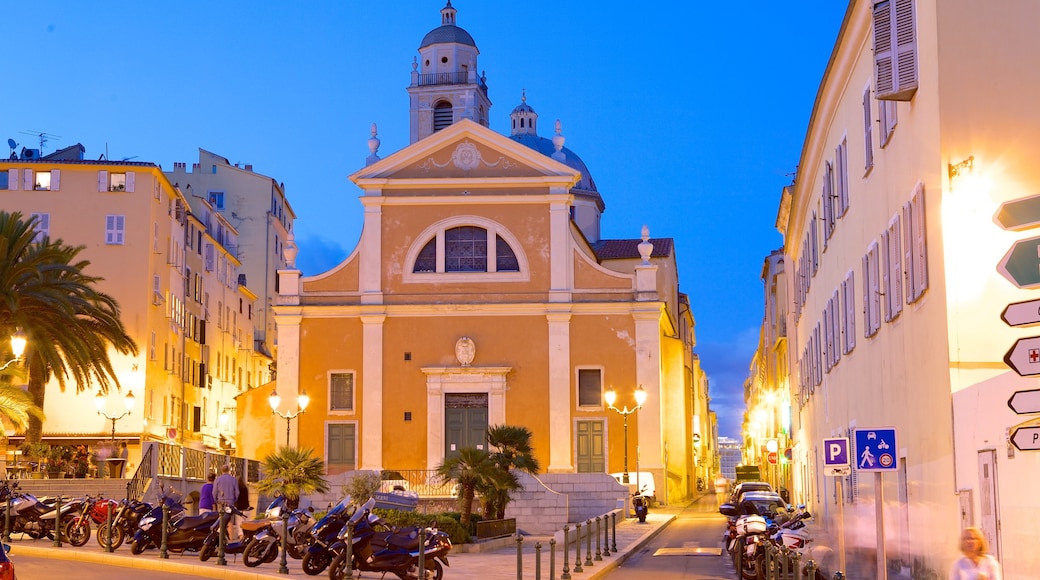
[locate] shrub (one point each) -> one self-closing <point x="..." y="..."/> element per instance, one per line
<point x="445" y="522"/>
<point x="363" y="486"/>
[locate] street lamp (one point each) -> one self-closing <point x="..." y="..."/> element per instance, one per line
<point x="610" y="396"/>
<point x="99" y="402"/>
<point x="18" y="342"/>
<point x="301" y="405"/>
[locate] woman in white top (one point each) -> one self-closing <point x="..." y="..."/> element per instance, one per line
<point x="976" y="564"/>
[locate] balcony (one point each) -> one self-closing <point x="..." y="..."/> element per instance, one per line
<point x="448" y="78"/>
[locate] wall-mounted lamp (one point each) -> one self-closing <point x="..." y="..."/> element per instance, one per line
<point x="965" y="166"/>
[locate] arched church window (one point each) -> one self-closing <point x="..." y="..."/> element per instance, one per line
<point x="427" y="259"/>
<point x="442" y="116"/>
<point x="465" y="249"/>
<point x="505" y="259"/>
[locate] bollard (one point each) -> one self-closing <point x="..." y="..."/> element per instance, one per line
<point x="7" y="521"/>
<point x="283" y="565"/>
<point x="108" y="529"/>
<point x="785" y="563"/>
<point x="519" y="557"/>
<point x="613" y="525"/>
<point x="537" y="561"/>
<point x="348" y="553"/>
<point x="552" y="559"/>
<point x="222" y="536"/>
<point x="164" y="551"/>
<point x="57" y="522"/>
<point x="810" y="569"/>
<point x="588" y="544"/>
<point x="566" y="546"/>
<point x="599" y="554"/>
<point x="796" y="559"/>
<point x="422" y="553"/>
<point x="606" y="534"/>
<point x="577" y="546"/>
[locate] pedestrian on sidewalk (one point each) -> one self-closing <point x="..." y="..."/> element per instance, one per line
<point x="225" y="492"/>
<point x="206" y="502"/>
<point x="976" y="564"/>
<point x="721" y="488"/>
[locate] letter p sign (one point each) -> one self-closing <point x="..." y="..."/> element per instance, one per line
<point x="836" y="452"/>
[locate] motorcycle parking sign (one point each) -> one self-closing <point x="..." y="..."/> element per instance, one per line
<point x="876" y="449"/>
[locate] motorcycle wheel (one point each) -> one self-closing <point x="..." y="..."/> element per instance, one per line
<point x="298" y="548"/>
<point x="117" y="536"/>
<point x="253" y="553"/>
<point x="136" y="547"/>
<point x="433" y="571"/>
<point x="315" y="563"/>
<point x="207" y="552"/>
<point x="751" y="567"/>
<point x="77" y="532"/>
<point x="338" y="567"/>
<point x="271" y="554"/>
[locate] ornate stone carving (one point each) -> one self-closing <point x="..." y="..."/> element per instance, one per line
<point x="465" y="349"/>
<point x="466" y="157"/>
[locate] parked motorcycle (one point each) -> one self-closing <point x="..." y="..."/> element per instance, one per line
<point x="377" y="547"/>
<point x="268" y="539"/>
<point x="184" y="532"/>
<point x="211" y="544"/>
<point x="324" y="534"/>
<point x="124" y="522"/>
<point x="92" y="509"/>
<point x="34" y="516"/>
<point x="640" y="504"/>
<point x="793" y="535"/>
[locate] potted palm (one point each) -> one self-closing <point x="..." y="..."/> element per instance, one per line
<point x="292" y="472"/>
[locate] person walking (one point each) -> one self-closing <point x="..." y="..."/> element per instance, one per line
<point x="976" y="564"/>
<point x="721" y="489"/>
<point x="242" y="503"/>
<point x="124" y="454"/>
<point x="206" y="502"/>
<point x="225" y="492"/>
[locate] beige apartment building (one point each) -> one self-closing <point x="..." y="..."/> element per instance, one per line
<point x="170" y="262"/>
<point x="925" y="122"/>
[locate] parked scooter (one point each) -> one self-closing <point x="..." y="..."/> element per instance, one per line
<point x="183" y="533"/>
<point x="793" y="535"/>
<point x="377" y="547"/>
<point x="323" y="535"/>
<point x="640" y="504"/>
<point x="268" y="539"/>
<point x="211" y="544"/>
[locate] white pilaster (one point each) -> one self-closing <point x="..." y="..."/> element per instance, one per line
<point x="372" y="391"/>
<point x="648" y="374"/>
<point x="370" y="281"/>
<point x="288" y="378"/>
<point x="560" y="404"/>
<point x="559" y="248"/>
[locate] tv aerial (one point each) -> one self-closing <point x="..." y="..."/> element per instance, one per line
<point x="42" y="136"/>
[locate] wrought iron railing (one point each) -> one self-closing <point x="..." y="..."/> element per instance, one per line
<point x="138" y="484"/>
<point x="425" y="482"/>
<point x="449" y="78"/>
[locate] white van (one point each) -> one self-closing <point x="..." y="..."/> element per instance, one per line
<point x="643" y="480"/>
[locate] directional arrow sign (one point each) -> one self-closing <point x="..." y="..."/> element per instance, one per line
<point x="1026" y="438"/>
<point x="1024" y="356"/>
<point x="1019" y="214"/>
<point x="1022" y="313"/>
<point x="1021" y="265"/>
<point x="1023" y="402"/>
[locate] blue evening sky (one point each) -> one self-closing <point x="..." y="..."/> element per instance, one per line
<point x="690" y="115"/>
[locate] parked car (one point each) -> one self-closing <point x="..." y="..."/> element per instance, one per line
<point x="6" y="565"/>
<point x="747" y="486"/>
<point x="765" y="503"/>
<point x="644" y="480"/>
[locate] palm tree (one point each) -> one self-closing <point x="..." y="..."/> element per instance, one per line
<point x="70" y="324"/>
<point x="511" y="450"/>
<point x="472" y="469"/>
<point x="292" y="472"/>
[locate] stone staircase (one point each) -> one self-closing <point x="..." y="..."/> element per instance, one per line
<point x="109" y="488"/>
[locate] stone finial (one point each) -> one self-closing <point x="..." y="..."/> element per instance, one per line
<point x="289" y="251"/>
<point x="373" y="147"/>
<point x="415" y="64"/>
<point x="558" y="140"/>
<point x="645" y="247"/>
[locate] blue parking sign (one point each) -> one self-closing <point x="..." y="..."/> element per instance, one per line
<point x="836" y="452"/>
<point x="876" y="449"/>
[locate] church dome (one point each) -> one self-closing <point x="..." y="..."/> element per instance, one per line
<point x="447" y="33"/>
<point x="586" y="185"/>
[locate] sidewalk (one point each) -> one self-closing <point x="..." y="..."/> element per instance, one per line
<point x="498" y="564"/>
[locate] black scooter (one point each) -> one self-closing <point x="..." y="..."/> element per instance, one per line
<point x="183" y="533"/>
<point x="639" y="505"/>
<point x="211" y="545"/>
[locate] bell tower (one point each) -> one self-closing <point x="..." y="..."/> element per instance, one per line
<point x="445" y="87"/>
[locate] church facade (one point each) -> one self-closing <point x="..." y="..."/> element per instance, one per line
<point x="482" y="293"/>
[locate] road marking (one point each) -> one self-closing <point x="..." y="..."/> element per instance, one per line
<point x="688" y="551"/>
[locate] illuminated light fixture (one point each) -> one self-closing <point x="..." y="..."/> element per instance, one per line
<point x="611" y="397"/>
<point x="965" y="166"/>
<point x="301" y="406"/>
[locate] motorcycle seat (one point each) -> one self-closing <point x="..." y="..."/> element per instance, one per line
<point x="407" y="540"/>
<point x="254" y="525"/>
<point x="188" y="522"/>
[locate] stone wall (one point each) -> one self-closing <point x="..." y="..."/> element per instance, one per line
<point x="551" y="500"/>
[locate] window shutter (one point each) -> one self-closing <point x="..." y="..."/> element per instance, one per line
<point x="895" y="266"/>
<point x="849" y="288"/>
<point x="886" y="282"/>
<point x="55" y="180"/>
<point x="908" y="250"/>
<point x="841" y="162"/>
<point x="836" y="324"/>
<point x="828" y="341"/>
<point x="130" y="181"/>
<point x="866" y="296"/>
<point x="27" y="180"/>
<point x="920" y="242"/>
<point x="814" y="245"/>
<point x="102" y="180"/>
<point x="883" y="57"/>
<point x="868" y="132"/>
<point x="12" y="179"/>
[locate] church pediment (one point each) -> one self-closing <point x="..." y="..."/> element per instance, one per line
<point x="467" y="151"/>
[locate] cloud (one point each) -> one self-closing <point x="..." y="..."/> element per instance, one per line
<point x="318" y="254"/>
<point x="726" y="364"/>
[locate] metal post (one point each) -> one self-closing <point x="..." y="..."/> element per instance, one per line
<point x="588" y="544"/>
<point x="164" y="552"/>
<point x="222" y="536"/>
<point x="7" y="520"/>
<point x="613" y="533"/>
<point x="283" y="566"/>
<point x="287" y="420"/>
<point x="577" y="546"/>
<point x="624" y="476"/>
<point x="108" y="528"/>
<point x="552" y="559"/>
<point x="810" y="570"/>
<point x="348" y="553"/>
<point x="606" y="534"/>
<point x="537" y="561"/>
<point x="599" y="554"/>
<point x="879" y="516"/>
<point x="422" y="552"/>
<point x="57" y="523"/>
<point x="519" y="557"/>
<point x="566" y="546"/>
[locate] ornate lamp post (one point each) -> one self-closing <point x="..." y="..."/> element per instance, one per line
<point x="99" y="402"/>
<point x="610" y="397"/>
<point x="18" y="342"/>
<point x="301" y="405"/>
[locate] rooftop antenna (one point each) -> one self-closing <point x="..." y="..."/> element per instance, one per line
<point x="43" y="137"/>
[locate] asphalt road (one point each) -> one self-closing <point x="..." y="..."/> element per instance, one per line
<point x="688" y="549"/>
<point x="36" y="568"/>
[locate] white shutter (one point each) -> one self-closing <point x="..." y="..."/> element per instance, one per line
<point x="886" y="281"/>
<point x="12" y="179"/>
<point x="908" y="250"/>
<point x="875" y="290"/>
<point x="27" y="180"/>
<point x="828" y="341"/>
<point x="102" y="180"/>
<point x="895" y="265"/>
<point x="130" y="181"/>
<point x="884" y="69"/>
<point x="920" y="241"/>
<point x="836" y="325"/>
<point x="814" y="245"/>
<point x="55" y="179"/>
<point x="841" y="162"/>
<point x="868" y="132"/>
<point x="849" y="291"/>
<point x="905" y="50"/>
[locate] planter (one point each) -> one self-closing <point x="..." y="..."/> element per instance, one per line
<point x="36" y="475"/>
